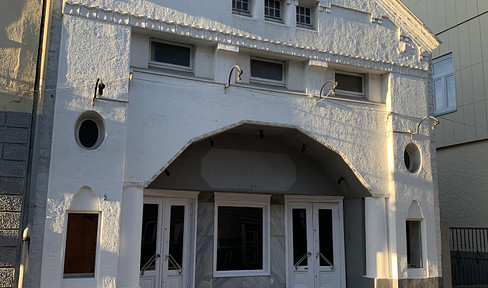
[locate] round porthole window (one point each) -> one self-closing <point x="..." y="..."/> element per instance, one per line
<point x="89" y="130"/>
<point x="412" y="158"/>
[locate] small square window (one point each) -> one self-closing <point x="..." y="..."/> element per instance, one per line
<point x="444" y="85"/>
<point x="350" y="84"/>
<point x="414" y="244"/>
<point x="267" y="71"/>
<point x="304" y="17"/>
<point x="273" y="10"/>
<point x="241" y="7"/>
<point x="171" y="55"/>
<point x="81" y="245"/>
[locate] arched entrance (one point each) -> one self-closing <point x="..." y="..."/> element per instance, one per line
<point x="271" y="205"/>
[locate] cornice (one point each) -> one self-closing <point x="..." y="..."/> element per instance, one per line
<point x="241" y="40"/>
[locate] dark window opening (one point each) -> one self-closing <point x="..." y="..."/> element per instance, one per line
<point x="149" y="235"/>
<point x="81" y="245"/>
<point x="176" y="234"/>
<point x="326" y="236"/>
<point x="171" y="54"/>
<point x="304" y="16"/>
<point x="240" y="6"/>
<point x="88" y="133"/>
<point x="272" y="9"/>
<point x="300" y="236"/>
<point x="414" y="244"/>
<point x="267" y="70"/>
<point x="349" y="83"/>
<point x="239" y="238"/>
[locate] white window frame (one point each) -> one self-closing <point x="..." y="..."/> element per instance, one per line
<point x="169" y="65"/>
<point x="244" y="200"/>
<point x="85" y="280"/>
<point x="442" y="77"/>
<point x="272" y="18"/>
<point x="339" y="92"/>
<point x="242" y="11"/>
<point x="312" y="17"/>
<point x="266" y="80"/>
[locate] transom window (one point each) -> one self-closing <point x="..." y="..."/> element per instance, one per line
<point x="242" y="235"/>
<point x="444" y="85"/>
<point x="272" y="9"/>
<point x="240" y="6"/>
<point x="267" y="71"/>
<point x="350" y="84"/>
<point x="171" y="55"/>
<point x="304" y="17"/>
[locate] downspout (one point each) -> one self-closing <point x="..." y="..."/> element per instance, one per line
<point x="36" y="108"/>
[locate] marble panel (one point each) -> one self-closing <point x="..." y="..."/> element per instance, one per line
<point x="254" y="282"/>
<point x="228" y="283"/>
<point x="205" y="219"/>
<point x="278" y="262"/>
<point x="277" y="221"/>
<point x="204" y="262"/>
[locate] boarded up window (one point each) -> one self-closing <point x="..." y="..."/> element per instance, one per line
<point x="81" y="245"/>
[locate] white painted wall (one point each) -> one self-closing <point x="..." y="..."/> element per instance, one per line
<point x="168" y="110"/>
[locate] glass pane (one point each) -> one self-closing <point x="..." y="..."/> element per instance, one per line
<point x="81" y="246"/>
<point x="438" y="95"/>
<point x="414" y="245"/>
<point x="299" y="236"/>
<point x="149" y="234"/>
<point x="326" y="237"/>
<point x="177" y="227"/>
<point x="170" y="54"/>
<point x="443" y="67"/>
<point x="267" y="70"/>
<point x="240" y="238"/>
<point x="451" y="91"/>
<point x="348" y="82"/>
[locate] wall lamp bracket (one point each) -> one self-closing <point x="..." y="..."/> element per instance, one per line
<point x="99" y="86"/>
<point x="332" y="90"/>
<point x="435" y="123"/>
<point x="238" y="77"/>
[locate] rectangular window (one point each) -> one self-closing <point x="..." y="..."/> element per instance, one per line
<point x="304" y="17"/>
<point x="241" y="7"/>
<point x="414" y="244"/>
<point x="272" y="10"/>
<point x="171" y="55"/>
<point x="350" y="84"/>
<point x="444" y="85"/>
<point x="242" y="236"/>
<point x="81" y="245"/>
<point x="267" y="71"/>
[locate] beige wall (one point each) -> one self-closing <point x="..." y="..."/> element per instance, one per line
<point x="19" y="38"/>
<point x="469" y="44"/>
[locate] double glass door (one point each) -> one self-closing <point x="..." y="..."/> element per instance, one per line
<point x="165" y="243"/>
<point x="315" y="246"/>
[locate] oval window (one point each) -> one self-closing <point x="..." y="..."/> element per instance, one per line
<point x="89" y="131"/>
<point x="412" y="158"/>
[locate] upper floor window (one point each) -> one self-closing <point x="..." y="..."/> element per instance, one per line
<point x="304" y="17"/>
<point x="350" y="84"/>
<point x="171" y="55"/>
<point x="273" y="10"/>
<point x="240" y="7"/>
<point x="444" y="85"/>
<point x="268" y="71"/>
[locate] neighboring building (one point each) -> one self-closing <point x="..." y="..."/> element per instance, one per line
<point x="461" y="86"/>
<point x="165" y="172"/>
<point x="20" y="26"/>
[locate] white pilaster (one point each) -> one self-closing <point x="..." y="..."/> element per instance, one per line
<point x="376" y="238"/>
<point x="130" y="237"/>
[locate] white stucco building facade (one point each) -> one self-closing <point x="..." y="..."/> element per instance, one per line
<point x="174" y="174"/>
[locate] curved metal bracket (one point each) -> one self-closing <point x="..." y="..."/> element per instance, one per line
<point x="238" y="77"/>
<point x="332" y="90"/>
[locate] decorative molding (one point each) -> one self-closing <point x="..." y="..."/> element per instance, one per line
<point x="239" y="39"/>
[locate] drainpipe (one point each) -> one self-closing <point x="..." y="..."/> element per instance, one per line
<point x="41" y="64"/>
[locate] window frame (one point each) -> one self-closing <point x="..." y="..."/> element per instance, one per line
<point x="417" y="272"/>
<point x="340" y="92"/>
<point x="443" y="77"/>
<point x="259" y="80"/>
<point x="153" y="63"/>
<point x="242" y="11"/>
<point x="305" y="25"/>
<point x="244" y="200"/>
<point x="273" y="18"/>
<point x="97" y="246"/>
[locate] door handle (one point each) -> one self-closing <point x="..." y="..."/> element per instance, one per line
<point x="301" y="259"/>
<point x="149" y="262"/>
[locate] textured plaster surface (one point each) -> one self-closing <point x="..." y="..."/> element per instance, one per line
<point x="167" y="113"/>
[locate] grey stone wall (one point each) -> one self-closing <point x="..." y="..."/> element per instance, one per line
<point x="14" y="147"/>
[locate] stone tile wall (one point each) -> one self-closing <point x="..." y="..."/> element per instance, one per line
<point x="14" y="147"/>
